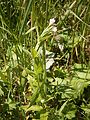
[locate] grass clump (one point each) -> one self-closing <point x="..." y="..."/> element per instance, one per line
<point x="44" y="60"/>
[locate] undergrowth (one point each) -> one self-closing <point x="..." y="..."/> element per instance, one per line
<point x="44" y="60"/>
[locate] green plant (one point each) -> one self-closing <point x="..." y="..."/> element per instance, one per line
<point x="44" y="60"/>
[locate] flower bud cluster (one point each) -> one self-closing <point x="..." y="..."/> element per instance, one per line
<point x="51" y="23"/>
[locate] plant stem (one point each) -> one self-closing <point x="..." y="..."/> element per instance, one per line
<point x="44" y="53"/>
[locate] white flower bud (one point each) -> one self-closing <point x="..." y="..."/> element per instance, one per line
<point x="61" y="47"/>
<point x="54" y="29"/>
<point x="42" y="101"/>
<point x="52" y="21"/>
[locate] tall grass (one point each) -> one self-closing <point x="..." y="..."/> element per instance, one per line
<point x="27" y="42"/>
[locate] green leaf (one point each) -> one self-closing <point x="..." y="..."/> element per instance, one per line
<point x="14" y="61"/>
<point x="2" y="76"/>
<point x="34" y="53"/>
<point x="62" y="107"/>
<point x="1" y="92"/>
<point x="12" y="106"/>
<point x="44" y="116"/>
<point x="35" y="108"/>
<point x="6" y="30"/>
<point x="37" y="69"/>
<point x="78" y="85"/>
<point x="26" y="51"/>
<point x="30" y="30"/>
<point x="79" y="19"/>
<point x="28" y="9"/>
<point x="34" y="96"/>
<point x="71" y="114"/>
<point x="83" y="75"/>
<point x="25" y="107"/>
<point x="27" y="70"/>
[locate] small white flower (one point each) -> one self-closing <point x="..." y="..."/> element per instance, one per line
<point x="61" y="47"/>
<point x="49" y="63"/>
<point x="52" y="21"/>
<point x="54" y="29"/>
<point x="42" y="101"/>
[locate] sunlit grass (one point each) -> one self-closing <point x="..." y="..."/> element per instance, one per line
<point x="44" y="60"/>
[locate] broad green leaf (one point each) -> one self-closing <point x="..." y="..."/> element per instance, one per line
<point x="71" y="114"/>
<point x="12" y="106"/>
<point x="37" y="69"/>
<point x="78" y="85"/>
<point x="24" y="73"/>
<point x="34" y="53"/>
<point x="25" y="107"/>
<point x="83" y="75"/>
<point x="44" y="116"/>
<point x="35" y="108"/>
<point x="2" y="76"/>
<point x="23" y="81"/>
